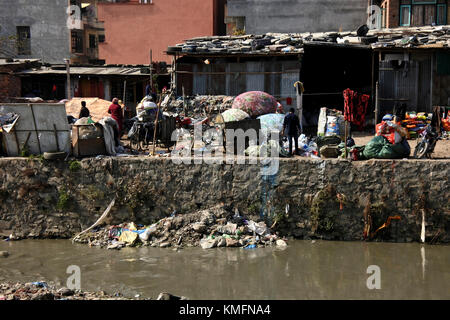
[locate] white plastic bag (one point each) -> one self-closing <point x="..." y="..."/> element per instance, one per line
<point x="322" y="122"/>
<point x="147" y="233"/>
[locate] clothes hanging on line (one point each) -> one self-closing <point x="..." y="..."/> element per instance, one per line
<point x="355" y="107"/>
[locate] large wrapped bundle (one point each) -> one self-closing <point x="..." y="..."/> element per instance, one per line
<point x="234" y="115"/>
<point x="271" y="122"/>
<point x="256" y="103"/>
<point x="380" y="148"/>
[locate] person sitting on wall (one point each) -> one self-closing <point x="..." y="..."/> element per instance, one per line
<point x="117" y="114"/>
<point x="292" y="123"/>
<point x="84" y="112"/>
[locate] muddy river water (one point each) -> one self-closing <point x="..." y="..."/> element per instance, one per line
<point x="304" y="270"/>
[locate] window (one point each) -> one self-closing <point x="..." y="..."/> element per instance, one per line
<point x="92" y="41"/>
<point x="423" y="12"/>
<point x="441" y="14"/>
<point x="77" y="42"/>
<point x="23" y="41"/>
<point x="405" y="16"/>
<point x="145" y="1"/>
<point x="101" y="38"/>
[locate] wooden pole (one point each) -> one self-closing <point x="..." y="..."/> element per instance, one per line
<point x="68" y="79"/>
<point x="377" y="102"/>
<point x="151" y="70"/>
<point x="184" y="101"/>
<point x="156" y="125"/>
<point x="124" y="91"/>
<point x="345" y="139"/>
<point x="35" y="129"/>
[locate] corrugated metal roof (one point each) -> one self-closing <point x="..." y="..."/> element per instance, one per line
<point x="99" y="71"/>
<point x="4" y="62"/>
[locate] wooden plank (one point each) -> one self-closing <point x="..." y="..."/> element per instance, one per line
<point x="35" y="129"/>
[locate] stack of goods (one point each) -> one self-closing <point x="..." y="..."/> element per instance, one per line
<point x="331" y="123"/>
<point x="446" y="123"/>
<point x="256" y="103"/>
<point x="416" y="122"/>
<point x="385" y="130"/>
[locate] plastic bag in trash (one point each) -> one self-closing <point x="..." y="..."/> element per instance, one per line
<point x="258" y="228"/>
<point x="147" y="233"/>
<point x="229" y="228"/>
<point x="128" y="237"/>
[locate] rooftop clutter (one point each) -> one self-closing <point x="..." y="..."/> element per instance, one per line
<point x="419" y="37"/>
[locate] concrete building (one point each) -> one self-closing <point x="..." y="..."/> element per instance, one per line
<point x="135" y="27"/>
<point x="49" y="30"/>
<point x="413" y="13"/>
<point x="286" y="16"/>
<point x="34" y="29"/>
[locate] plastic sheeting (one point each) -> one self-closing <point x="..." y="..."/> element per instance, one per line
<point x="271" y="122"/>
<point x="256" y="103"/>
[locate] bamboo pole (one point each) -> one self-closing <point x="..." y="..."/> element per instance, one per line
<point x="156" y="125"/>
<point x="345" y="139"/>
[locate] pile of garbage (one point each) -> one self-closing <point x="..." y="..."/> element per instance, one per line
<point x="199" y="106"/>
<point x="43" y="291"/>
<point x="215" y="227"/>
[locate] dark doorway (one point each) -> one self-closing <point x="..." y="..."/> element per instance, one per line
<point x="327" y="70"/>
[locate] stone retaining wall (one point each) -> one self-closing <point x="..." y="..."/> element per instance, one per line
<point x="328" y="199"/>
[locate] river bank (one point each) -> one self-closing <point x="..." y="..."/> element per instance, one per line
<point x="43" y="291"/>
<point x="327" y="199"/>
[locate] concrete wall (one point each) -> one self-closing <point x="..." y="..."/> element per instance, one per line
<point x="148" y="189"/>
<point x="50" y="38"/>
<point x="132" y="29"/>
<point x="264" y="16"/>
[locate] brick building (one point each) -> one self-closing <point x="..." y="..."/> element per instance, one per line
<point x="135" y="27"/>
<point x="413" y="13"/>
<point x="10" y="82"/>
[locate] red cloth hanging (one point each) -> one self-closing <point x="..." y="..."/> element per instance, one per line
<point x="355" y="107"/>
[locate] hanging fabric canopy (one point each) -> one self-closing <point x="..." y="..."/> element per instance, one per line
<point x="234" y="115"/>
<point x="256" y="103"/>
<point x="271" y="122"/>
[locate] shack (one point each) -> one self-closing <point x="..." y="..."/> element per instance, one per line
<point x="272" y="63"/>
<point x="414" y="68"/>
<point x="104" y="82"/>
<point x="408" y="65"/>
<point x="39" y="128"/>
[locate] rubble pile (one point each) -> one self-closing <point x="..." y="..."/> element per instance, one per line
<point x="43" y="291"/>
<point x="436" y="36"/>
<point x="215" y="227"/>
<point x="200" y="106"/>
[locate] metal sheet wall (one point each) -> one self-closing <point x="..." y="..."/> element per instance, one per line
<point x="274" y="77"/>
<point x="410" y="84"/>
